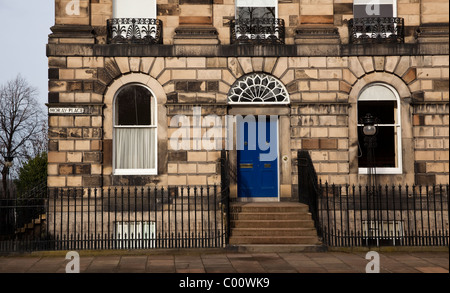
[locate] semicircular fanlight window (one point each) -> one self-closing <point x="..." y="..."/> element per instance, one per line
<point x="258" y="88"/>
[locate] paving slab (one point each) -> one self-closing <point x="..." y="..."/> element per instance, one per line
<point x="231" y="262"/>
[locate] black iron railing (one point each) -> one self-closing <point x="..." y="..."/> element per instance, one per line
<point x="376" y="29"/>
<point x="308" y="186"/>
<point x="384" y="215"/>
<point x="225" y="177"/>
<point x="134" y="31"/>
<point x="259" y="30"/>
<point x="118" y="218"/>
<point x="374" y="215"/>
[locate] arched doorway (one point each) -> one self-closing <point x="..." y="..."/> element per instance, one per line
<point x="256" y="99"/>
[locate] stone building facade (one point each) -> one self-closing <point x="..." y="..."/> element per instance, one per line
<point x="186" y="59"/>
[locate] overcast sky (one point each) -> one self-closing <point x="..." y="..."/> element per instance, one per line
<point x="25" y="26"/>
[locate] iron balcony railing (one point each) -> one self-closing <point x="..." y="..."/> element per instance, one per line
<point x="376" y="30"/>
<point x="134" y="31"/>
<point x="259" y="30"/>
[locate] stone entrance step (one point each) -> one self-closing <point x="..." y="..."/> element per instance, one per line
<point x="286" y="224"/>
<point x="278" y="248"/>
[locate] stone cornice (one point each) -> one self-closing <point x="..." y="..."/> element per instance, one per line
<point x="309" y="50"/>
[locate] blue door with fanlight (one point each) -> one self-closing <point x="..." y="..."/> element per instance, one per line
<point x="257" y="155"/>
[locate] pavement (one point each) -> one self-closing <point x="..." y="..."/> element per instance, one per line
<point x="228" y="262"/>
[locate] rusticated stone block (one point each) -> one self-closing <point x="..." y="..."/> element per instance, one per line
<point x="343" y="8"/>
<point x="418" y="120"/>
<point x="441" y="85"/>
<point x="196" y="86"/>
<point x="57" y="86"/>
<point x="310" y="144"/>
<point x="92" y="132"/>
<point x="99" y="88"/>
<point x="74" y="157"/>
<point x="410" y="75"/>
<point x="96" y="145"/>
<point x="111" y="67"/>
<point x="54" y="132"/>
<point x="344" y="87"/>
<point x="168" y="9"/>
<point x="328" y="144"/>
<point x="425" y="179"/>
<point x="107" y="152"/>
<point x="53" y="97"/>
<point x="56" y="157"/>
<point x="92" y="181"/>
<point x="75" y="86"/>
<point x="181" y="86"/>
<point x="420" y="167"/>
<point x="52" y="145"/>
<point x="180" y="156"/>
<point x="53" y="73"/>
<point x="65" y="169"/>
<point x="172" y="97"/>
<point x="213" y="86"/>
<point x="82" y="169"/>
<point x="59" y="62"/>
<point x="74" y="132"/>
<point x="92" y="157"/>
<point x="56" y="181"/>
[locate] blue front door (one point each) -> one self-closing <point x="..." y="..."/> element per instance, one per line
<point x="257" y="157"/>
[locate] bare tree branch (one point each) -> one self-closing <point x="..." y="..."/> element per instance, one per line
<point x="21" y="123"/>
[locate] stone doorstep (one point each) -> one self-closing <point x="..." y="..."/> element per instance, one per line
<point x="272" y="224"/>
<point x="313" y="240"/>
<point x="277" y="248"/>
<point x="271" y="216"/>
<point x="262" y="207"/>
<point x="275" y="232"/>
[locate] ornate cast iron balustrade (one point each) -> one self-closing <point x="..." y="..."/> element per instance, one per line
<point x="134" y="31"/>
<point x="376" y="30"/>
<point x="260" y="30"/>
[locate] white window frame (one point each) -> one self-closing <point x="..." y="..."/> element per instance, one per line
<point x="153" y="105"/>
<point x="397" y="132"/>
<point x="134" y="9"/>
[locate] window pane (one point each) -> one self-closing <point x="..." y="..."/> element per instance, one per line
<point x="256" y="3"/>
<point x="376" y="92"/>
<point x="384" y="111"/>
<point x="256" y="12"/>
<point x="133" y="106"/>
<point x="135" y="148"/>
<point x="367" y="8"/>
<point x="384" y="152"/>
<point x="134" y="8"/>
